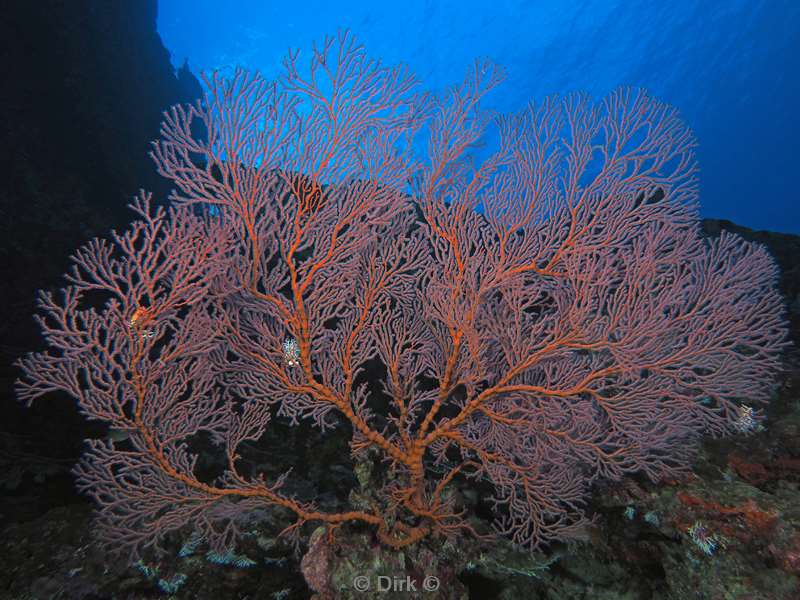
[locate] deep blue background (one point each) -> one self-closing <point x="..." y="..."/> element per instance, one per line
<point x="731" y="67"/>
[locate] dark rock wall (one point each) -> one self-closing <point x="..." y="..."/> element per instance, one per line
<point x="83" y="84"/>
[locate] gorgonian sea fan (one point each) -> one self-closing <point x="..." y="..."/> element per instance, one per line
<point x="547" y="312"/>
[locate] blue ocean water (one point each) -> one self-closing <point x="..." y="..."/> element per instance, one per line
<point x="731" y="67"/>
